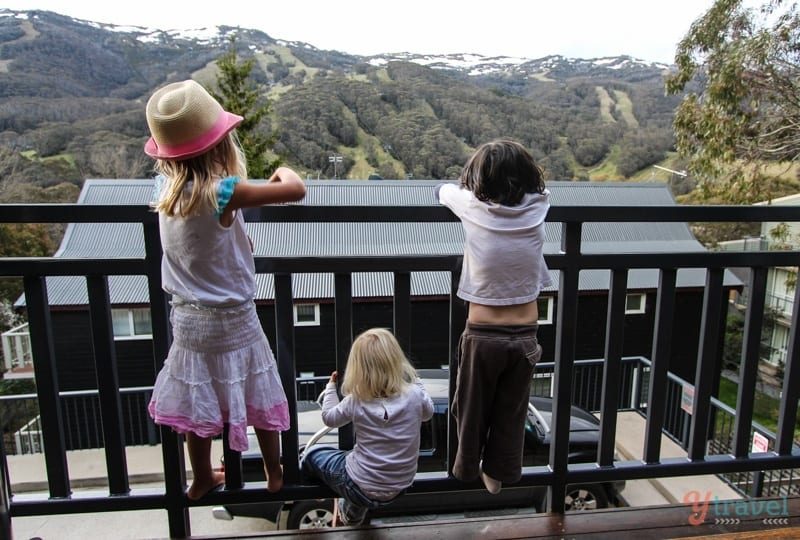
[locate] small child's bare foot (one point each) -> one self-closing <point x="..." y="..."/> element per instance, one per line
<point x="274" y="478"/>
<point x="199" y="489"/>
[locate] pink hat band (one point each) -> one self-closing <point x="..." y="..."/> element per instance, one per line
<point x="186" y="121"/>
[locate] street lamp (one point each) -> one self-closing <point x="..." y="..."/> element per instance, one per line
<point x="335" y="159"/>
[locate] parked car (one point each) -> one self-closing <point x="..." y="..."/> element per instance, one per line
<point x="584" y="436"/>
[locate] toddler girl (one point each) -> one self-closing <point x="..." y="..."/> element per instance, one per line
<point x="386" y="402"/>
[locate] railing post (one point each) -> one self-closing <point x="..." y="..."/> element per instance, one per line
<point x="284" y="326"/>
<point x="402" y="309"/>
<point x="787" y="415"/>
<point x="757" y="489"/>
<point x="615" y="326"/>
<point x="458" y="321"/>
<point x="105" y="359"/>
<point x="344" y="340"/>
<point x="55" y="452"/>
<point x="171" y="443"/>
<point x="706" y="361"/>
<point x="748" y="368"/>
<point x="5" y="489"/>
<point x="566" y="332"/>
<point x="657" y="389"/>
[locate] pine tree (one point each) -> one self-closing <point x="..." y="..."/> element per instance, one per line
<point x="239" y="94"/>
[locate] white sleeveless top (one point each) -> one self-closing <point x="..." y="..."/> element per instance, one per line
<point x="204" y="262"/>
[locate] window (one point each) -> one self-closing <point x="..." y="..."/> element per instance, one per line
<point x="634" y="303"/>
<point x="545" y="310"/>
<point x="131" y="323"/>
<point x="306" y="315"/>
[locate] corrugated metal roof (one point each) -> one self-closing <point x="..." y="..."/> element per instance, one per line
<point x="331" y="239"/>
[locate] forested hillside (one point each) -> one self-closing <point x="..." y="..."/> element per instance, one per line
<point x="72" y="97"/>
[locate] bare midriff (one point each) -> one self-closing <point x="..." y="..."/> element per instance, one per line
<point x="505" y="315"/>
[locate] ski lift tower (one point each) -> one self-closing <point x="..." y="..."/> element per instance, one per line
<point x="335" y="159"/>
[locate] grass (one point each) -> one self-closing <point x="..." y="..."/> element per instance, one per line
<point x="765" y="408"/>
<point x="625" y="107"/>
<point x="606" y="103"/>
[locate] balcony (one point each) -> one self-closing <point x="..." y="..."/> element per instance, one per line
<point x="658" y="401"/>
<point x="17" y="357"/>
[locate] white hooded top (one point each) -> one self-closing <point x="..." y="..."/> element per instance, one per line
<point x="503" y="260"/>
<point x="387" y="430"/>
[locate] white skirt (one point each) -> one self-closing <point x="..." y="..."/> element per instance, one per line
<point x="220" y="369"/>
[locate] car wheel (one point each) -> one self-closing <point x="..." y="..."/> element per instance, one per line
<point x="311" y="515"/>
<point x="585" y="497"/>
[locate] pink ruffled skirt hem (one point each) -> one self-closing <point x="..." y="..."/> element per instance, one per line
<point x="220" y="369"/>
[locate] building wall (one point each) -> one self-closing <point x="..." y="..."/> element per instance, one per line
<point x="75" y="358"/>
<point x="315" y="352"/>
<point x="315" y="346"/>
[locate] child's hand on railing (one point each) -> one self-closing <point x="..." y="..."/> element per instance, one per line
<point x="334" y="376"/>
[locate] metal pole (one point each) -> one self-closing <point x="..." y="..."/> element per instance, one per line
<point x="5" y="490"/>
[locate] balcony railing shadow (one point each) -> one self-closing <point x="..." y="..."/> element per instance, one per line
<point x="697" y="427"/>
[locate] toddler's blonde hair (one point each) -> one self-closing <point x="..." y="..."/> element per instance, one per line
<point x="377" y="366"/>
<point x="225" y="159"/>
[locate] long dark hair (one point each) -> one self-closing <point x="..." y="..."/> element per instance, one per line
<point x="502" y="171"/>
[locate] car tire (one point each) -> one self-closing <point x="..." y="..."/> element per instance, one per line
<point x="312" y="514"/>
<point x="585" y="497"/>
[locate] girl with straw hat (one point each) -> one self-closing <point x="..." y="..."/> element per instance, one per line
<point x="220" y="368"/>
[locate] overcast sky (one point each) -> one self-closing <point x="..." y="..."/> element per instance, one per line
<point x="643" y="29"/>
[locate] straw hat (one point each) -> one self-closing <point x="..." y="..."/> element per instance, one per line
<point x="185" y="121"/>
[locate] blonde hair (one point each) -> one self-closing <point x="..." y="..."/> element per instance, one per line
<point x="225" y="159"/>
<point x="377" y="366"/>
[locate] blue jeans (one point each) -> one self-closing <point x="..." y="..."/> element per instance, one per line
<point x="328" y="465"/>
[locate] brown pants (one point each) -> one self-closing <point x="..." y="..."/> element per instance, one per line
<point x="491" y="399"/>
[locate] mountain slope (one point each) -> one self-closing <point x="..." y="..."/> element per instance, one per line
<point x="66" y="84"/>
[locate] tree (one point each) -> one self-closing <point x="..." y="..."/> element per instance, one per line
<point x="741" y="111"/>
<point x="239" y="94"/>
<point x="8" y="317"/>
<point x="734" y="338"/>
<point x="21" y="240"/>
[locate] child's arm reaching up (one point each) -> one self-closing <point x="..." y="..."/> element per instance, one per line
<point x="427" y="402"/>
<point x="335" y="413"/>
<point x="283" y="186"/>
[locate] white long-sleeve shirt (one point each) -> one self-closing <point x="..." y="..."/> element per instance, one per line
<point x="387" y="430"/>
<point x="503" y="261"/>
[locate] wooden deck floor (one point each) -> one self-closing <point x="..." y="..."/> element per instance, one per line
<point x="743" y="522"/>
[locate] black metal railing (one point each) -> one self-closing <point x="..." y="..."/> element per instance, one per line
<point x="569" y="262"/>
<point x="83" y="426"/>
<point x="82" y="421"/>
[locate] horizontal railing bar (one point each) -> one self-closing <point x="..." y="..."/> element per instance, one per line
<point x="153" y="498"/>
<point x="49" y="266"/>
<point x="144" y="499"/>
<point x="58" y="266"/>
<point x="584" y="214"/>
<point x="93" y="213"/>
<point x="668" y="467"/>
<point x="76" y="213"/>
<point x="674" y="259"/>
<point x="357" y="264"/>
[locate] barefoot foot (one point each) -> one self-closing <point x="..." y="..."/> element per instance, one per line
<point x="274" y="478"/>
<point x="199" y="489"/>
